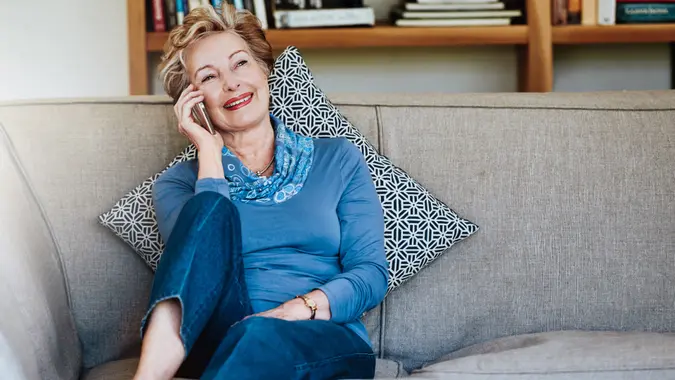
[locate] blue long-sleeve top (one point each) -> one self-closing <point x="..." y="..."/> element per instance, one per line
<point x="330" y="236"/>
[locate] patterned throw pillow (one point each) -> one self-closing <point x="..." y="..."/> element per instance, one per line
<point x="418" y="227"/>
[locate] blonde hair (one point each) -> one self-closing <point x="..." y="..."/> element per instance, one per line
<point x="200" y="23"/>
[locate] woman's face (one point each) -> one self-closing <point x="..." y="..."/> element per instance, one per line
<point x="236" y="93"/>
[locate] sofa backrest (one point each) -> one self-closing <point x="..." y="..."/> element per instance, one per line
<point x="571" y="191"/>
<point x="37" y="332"/>
<point x="573" y="194"/>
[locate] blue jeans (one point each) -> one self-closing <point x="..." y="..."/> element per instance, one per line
<point x="202" y="268"/>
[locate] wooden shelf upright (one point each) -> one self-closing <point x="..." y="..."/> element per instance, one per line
<point x="534" y="41"/>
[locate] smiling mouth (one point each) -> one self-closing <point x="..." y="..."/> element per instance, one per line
<point x="239" y="103"/>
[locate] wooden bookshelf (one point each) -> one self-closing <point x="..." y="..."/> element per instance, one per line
<point x="380" y="36"/>
<point x="626" y="33"/>
<point x="533" y="42"/>
<point x="141" y="43"/>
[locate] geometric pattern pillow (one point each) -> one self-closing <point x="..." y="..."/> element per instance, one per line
<point x="418" y="227"/>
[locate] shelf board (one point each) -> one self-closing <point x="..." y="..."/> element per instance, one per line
<point x="624" y="33"/>
<point x="381" y="36"/>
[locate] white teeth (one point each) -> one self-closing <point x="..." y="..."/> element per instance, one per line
<point x="238" y="102"/>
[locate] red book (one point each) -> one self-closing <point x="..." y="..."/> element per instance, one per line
<point x="158" y="16"/>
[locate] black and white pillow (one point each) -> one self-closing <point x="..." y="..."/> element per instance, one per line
<point x="418" y="227"/>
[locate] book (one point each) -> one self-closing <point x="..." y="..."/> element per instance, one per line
<point x="589" y="12"/>
<point x="460" y="14"/>
<point x="452" y="7"/>
<point x="260" y="12"/>
<point x="170" y="14"/>
<point x="453" y="22"/>
<point x="158" y="21"/>
<point x="645" y="12"/>
<point x="309" y="18"/>
<point x="606" y="12"/>
<point x="180" y="12"/>
<point x="192" y="4"/>
<point x="573" y="12"/>
<point x="559" y="12"/>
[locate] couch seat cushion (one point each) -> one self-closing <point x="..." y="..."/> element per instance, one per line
<point x="561" y="355"/>
<point x="125" y="369"/>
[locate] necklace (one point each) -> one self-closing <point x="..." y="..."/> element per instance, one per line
<point x="260" y="172"/>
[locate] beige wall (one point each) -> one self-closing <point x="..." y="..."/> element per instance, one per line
<point x="78" y="48"/>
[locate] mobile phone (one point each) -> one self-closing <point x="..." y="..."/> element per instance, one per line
<point x="202" y="118"/>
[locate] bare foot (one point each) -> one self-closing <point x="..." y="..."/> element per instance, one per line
<point x="162" y="352"/>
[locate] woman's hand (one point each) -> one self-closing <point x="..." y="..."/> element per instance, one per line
<point x="293" y="310"/>
<point x="198" y="135"/>
<point x="296" y="310"/>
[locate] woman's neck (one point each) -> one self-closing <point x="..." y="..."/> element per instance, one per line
<point x="254" y="147"/>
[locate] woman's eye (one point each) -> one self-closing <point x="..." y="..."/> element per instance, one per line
<point x="242" y="63"/>
<point x="207" y="78"/>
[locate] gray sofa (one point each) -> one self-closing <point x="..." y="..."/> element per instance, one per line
<point x="571" y="276"/>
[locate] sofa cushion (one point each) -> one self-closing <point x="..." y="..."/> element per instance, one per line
<point x="418" y="227"/>
<point x="125" y="369"/>
<point x="561" y="355"/>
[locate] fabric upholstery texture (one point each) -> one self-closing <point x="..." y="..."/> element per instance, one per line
<point x="573" y="193"/>
<point x="37" y="332"/>
<point x="578" y="217"/>
<point x="561" y="355"/>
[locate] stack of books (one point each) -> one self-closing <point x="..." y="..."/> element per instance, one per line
<point x="454" y="13"/>
<point x="612" y="12"/>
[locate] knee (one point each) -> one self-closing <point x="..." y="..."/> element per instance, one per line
<point x="206" y="211"/>
<point x="211" y="206"/>
<point x="207" y="223"/>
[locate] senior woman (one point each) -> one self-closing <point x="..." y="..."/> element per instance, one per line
<point x="274" y="241"/>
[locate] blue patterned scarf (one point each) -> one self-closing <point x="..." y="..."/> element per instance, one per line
<point x="293" y="155"/>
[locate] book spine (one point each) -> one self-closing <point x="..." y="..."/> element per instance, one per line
<point x="559" y="12"/>
<point x="574" y="12"/>
<point x="180" y="12"/>
<point x="248" y="5"/>
<point x="170" y="13"/>
<point x="634" y="13"/>
<point x="261" y="13"/>
<point x="192" y="4"/>
<point x="589" y="12"/>
<point x="606" y="12"/>
<point x="158" y="21"/>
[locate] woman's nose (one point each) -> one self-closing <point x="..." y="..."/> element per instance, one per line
<point x="231" y="85"/>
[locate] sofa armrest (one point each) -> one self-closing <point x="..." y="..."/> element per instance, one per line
<point x="36" y="325"/>
<point x="17" y="360"/>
